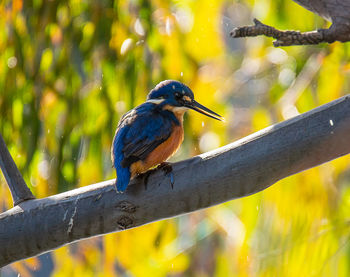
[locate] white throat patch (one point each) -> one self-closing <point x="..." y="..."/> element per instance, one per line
<point x="180" y="109"/>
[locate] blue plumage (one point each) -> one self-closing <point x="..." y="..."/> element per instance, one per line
<point x="153" y="126"/>
<point x="167" y="89"/>
<point x="123" y="173"/>
<point x="139" y="132"/>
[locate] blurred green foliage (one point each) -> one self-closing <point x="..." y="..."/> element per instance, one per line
<point x="68" y="71"/>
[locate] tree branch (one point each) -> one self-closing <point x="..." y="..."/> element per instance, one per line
<point x="333" y="10"/>
<point x="283" y="38"/>
<point x="19" y="190"/>
<point x="239" y="169"/>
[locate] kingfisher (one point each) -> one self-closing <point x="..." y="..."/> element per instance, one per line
<point x="152" y="132"/>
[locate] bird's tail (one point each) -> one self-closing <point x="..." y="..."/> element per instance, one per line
<point x="122" y="180"/>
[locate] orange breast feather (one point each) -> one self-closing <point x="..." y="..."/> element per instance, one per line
<point x="161" y="153"/>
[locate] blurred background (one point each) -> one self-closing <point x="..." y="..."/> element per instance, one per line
<point x="70" y="69"/>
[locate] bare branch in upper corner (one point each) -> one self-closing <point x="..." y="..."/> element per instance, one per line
<point x="332" y="10"/>
<point x="283" y="38"/>
<point x="19" y="190"/>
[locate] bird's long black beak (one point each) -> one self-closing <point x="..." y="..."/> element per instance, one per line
<point x="194" y="105"/>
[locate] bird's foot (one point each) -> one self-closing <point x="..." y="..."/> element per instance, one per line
<point x="144" y="177"/>
<point x="168" y="169"/>
<point x="165" y="167"/>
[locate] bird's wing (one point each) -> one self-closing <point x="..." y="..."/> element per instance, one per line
<point x="146" y="131"/>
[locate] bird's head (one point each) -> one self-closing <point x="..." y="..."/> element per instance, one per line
<point x="178" y="97"/>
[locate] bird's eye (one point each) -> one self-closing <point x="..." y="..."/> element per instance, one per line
<point x="177" y="95"/>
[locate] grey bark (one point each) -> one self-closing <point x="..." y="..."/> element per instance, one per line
<point x="239" y="169"/>
<point x="19" y="190"/>
<point x="336" y="11"/>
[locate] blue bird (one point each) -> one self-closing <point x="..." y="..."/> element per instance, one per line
<point x="149" y="134"/>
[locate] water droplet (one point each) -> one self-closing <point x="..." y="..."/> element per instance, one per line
<point x="12" y="62"/>
<point x="139" y="28"/>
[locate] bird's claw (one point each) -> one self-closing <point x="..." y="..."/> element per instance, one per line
<point x="144" y="177"/>
<point x="165" y="166"/>
<point x="168" y="169"/>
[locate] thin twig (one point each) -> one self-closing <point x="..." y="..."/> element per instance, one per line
<point x="19" y="190"/>
<point x="303" y="80"/>
<point x="283" y="38"/>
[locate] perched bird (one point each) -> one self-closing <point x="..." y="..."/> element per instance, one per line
<point x="149" y="134"/>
